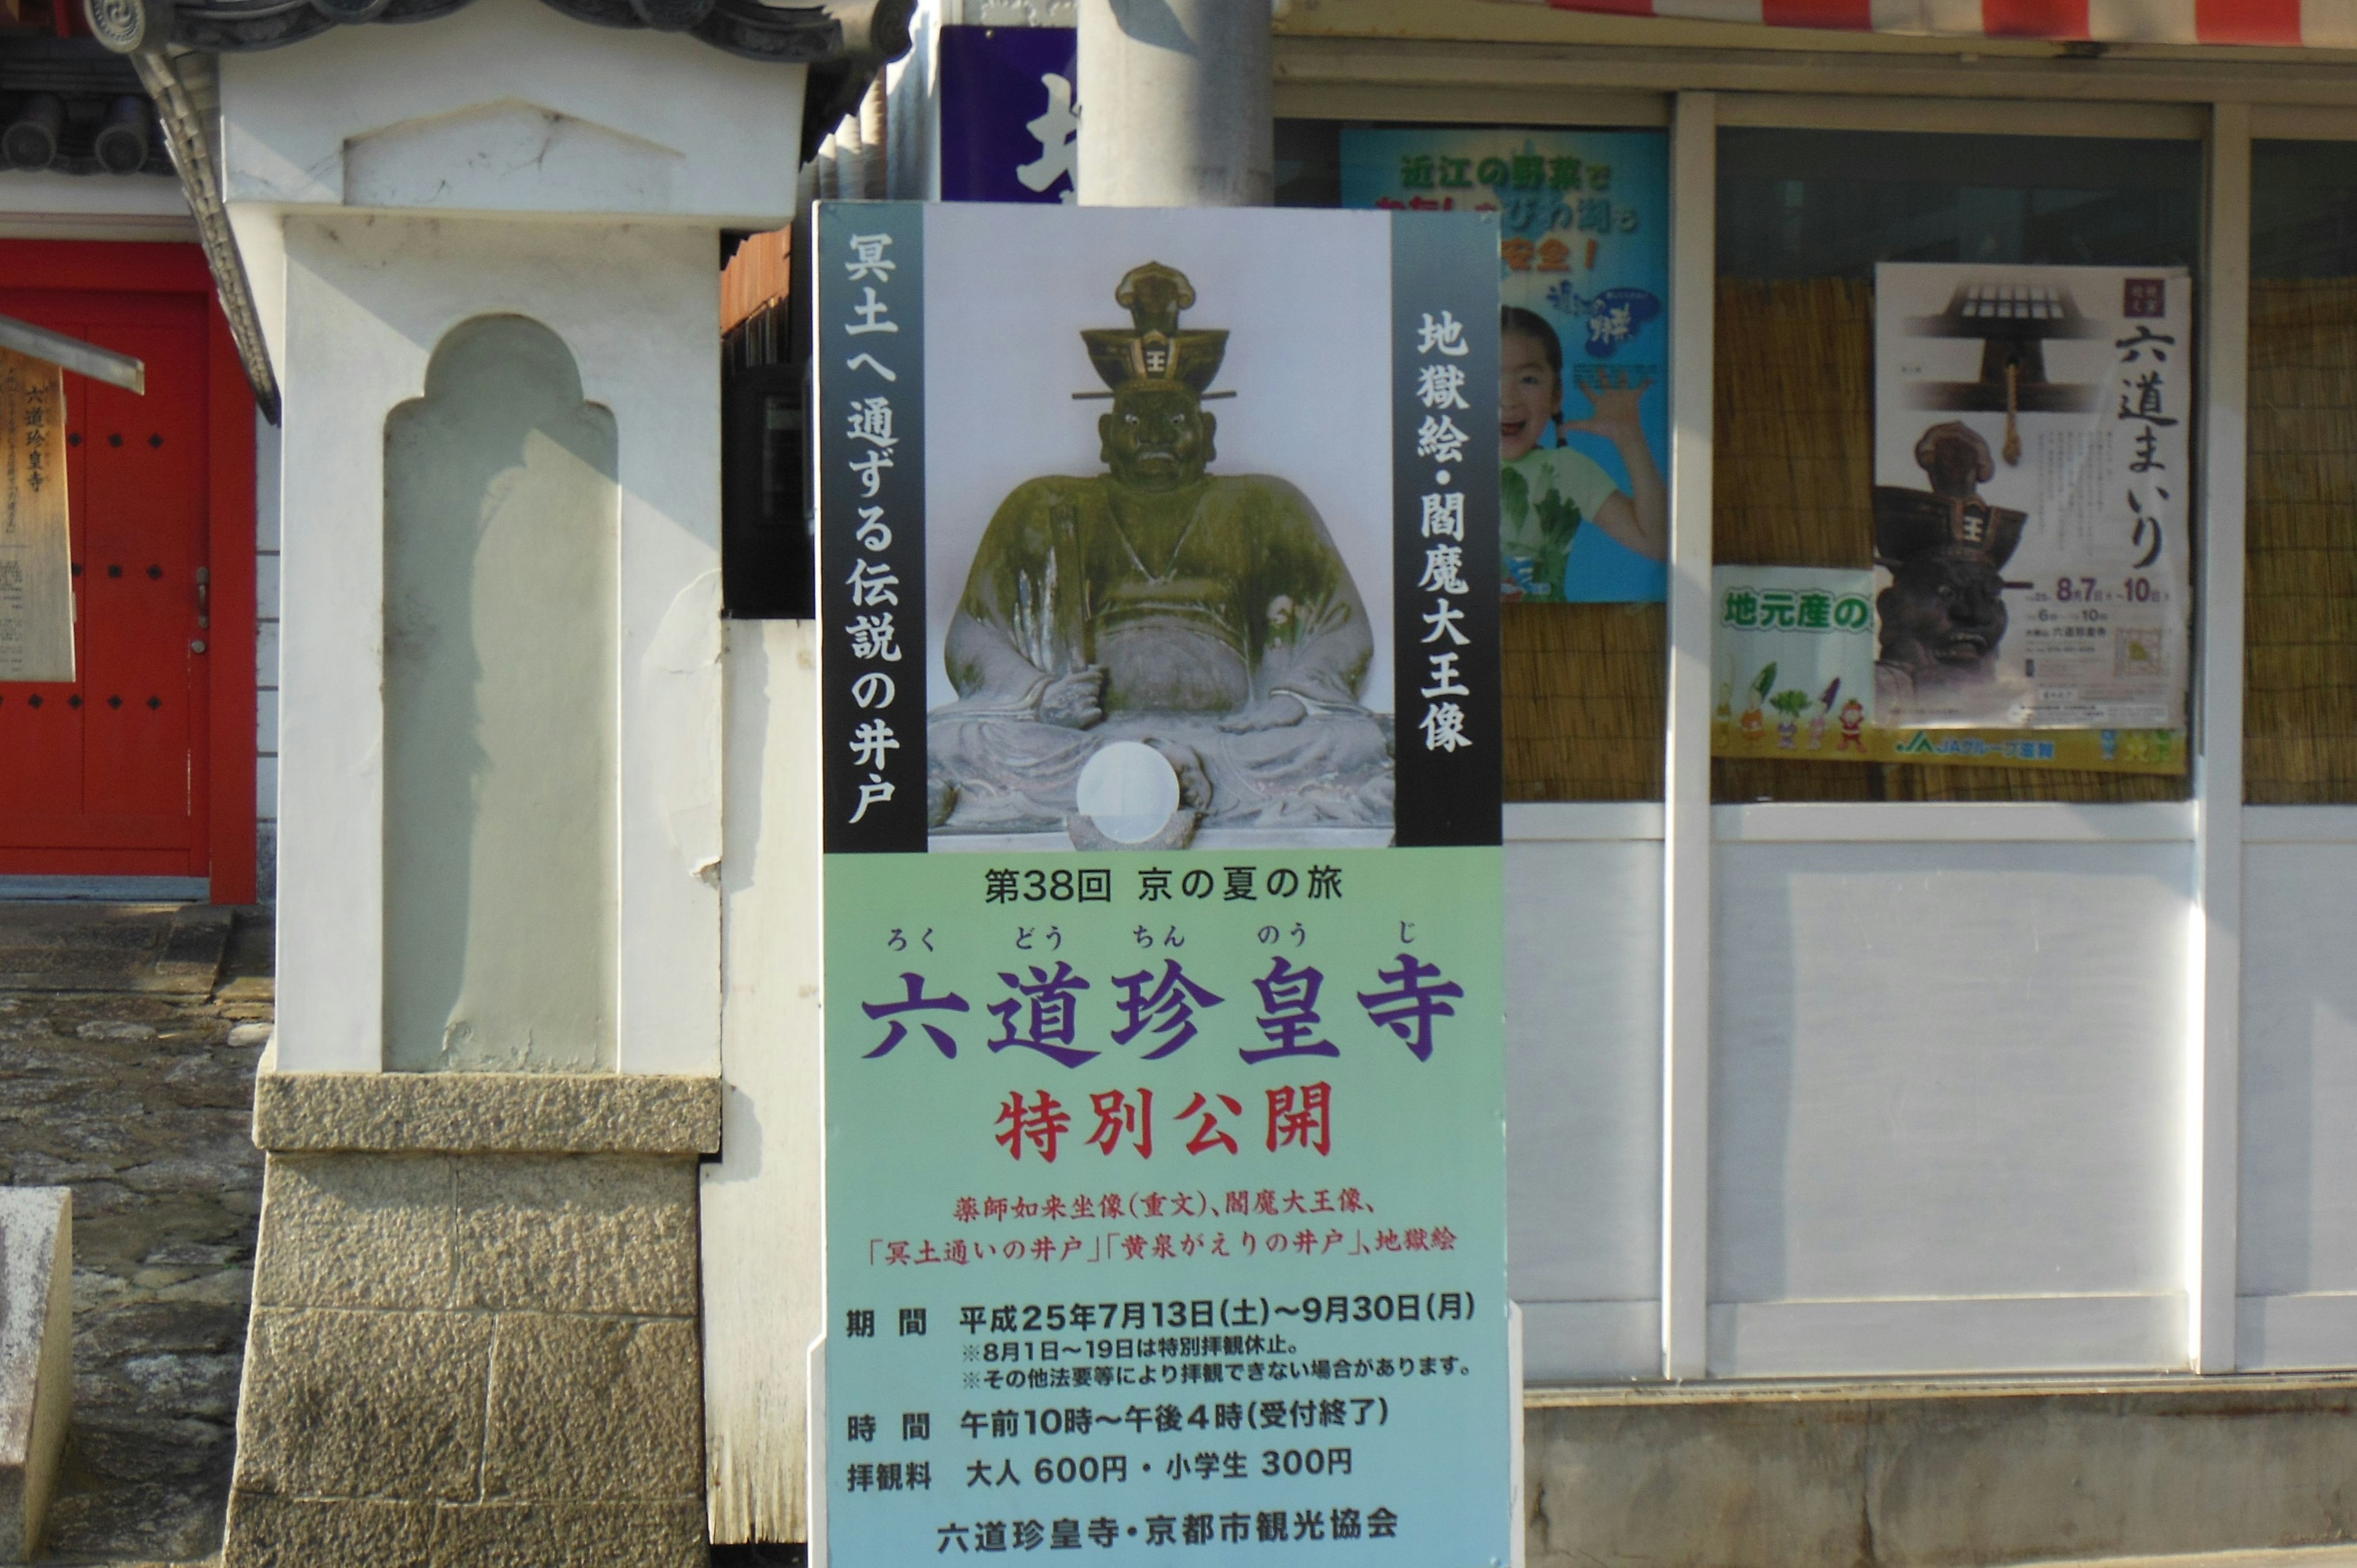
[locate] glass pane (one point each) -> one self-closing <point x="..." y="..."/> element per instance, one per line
<point x="1804" y="216"/>
<point x="2299" y="709"/>
<point x="2303" y="210"/>
<point x="1806" y="204"/>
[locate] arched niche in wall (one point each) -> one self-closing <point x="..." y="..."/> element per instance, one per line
<point x="501" y="523"/>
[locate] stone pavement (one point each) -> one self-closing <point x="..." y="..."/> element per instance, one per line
<point x="128" y="1036"/>
<point x="2289" y="1557"/>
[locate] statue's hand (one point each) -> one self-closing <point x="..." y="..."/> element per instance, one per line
<point x="1075" y="701"/>
<point x="1273" y="713"/>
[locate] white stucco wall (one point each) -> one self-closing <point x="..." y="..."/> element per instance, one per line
<point x="368" y="298"/>
<point x="385" y="185"/>
<point x="507" y="106"/>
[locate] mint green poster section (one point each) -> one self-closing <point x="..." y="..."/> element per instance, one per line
<point x="1165" y="1207"/>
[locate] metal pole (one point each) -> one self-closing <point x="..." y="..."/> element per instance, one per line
<point x="1175" y="103"/>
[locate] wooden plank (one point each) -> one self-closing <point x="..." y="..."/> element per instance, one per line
<point x="37" y="599"/>
<point x="1445" y="102"/>
<point x="2317" y="78"/>
<point x="764" y="1290"/>
<point x="229" y="550"/>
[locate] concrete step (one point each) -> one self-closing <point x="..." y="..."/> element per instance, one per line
<point x="168" y="948"/>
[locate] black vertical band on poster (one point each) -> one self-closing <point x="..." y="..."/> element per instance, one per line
<point x="1446" y="795"/>
<point x="871" y="589"/>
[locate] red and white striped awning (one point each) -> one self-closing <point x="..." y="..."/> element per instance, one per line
<point x="2283" y="24"/>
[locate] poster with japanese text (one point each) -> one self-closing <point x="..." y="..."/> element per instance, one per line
<point x="1583" y="259"/>
<point x="37" y="640"/>
<point x="1792" y="661"/>
<point x="1165" y="1044"/>
<point x="2032" y="489"/>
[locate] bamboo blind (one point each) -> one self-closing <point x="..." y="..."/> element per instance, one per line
<point x="1792" y="484"/>
<point x="1585" y="701"/>
<point x="2299" y="710"/>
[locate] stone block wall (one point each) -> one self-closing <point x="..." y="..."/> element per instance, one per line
<point x="484" y="1353"/>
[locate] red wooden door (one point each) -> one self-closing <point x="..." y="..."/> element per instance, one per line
<point x="113" y="774"/>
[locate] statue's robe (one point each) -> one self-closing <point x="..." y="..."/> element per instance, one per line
<point x="1198" y="603"/>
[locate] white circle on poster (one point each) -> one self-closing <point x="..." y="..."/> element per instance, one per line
<point x="1129" y="791"/>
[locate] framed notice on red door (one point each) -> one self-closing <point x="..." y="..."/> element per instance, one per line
<point x="127" y="736"/>
<point x="35" y="576"/>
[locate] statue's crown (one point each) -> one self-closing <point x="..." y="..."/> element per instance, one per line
<point x="1910" y="522"/>
<point x="1154" y="347"/>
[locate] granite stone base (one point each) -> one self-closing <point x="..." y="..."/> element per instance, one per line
<point x="36" y="1356"/>
<point x="480" y="1348"/>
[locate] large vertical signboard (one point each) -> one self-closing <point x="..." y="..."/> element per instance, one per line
<point x="1164" y="1090"/>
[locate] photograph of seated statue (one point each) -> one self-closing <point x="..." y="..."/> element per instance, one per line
<point x="1162" y="608"/>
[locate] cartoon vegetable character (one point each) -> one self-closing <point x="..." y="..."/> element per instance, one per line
<point x="1761" y="684"/>
<point x="1825" y="709"/>
<point x="1789" y="703"/>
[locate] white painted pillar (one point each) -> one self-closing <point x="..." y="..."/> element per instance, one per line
<point x="1686" y="828"/>
<point x="1175" y="104"/>
<point x="2213" y="1141"/>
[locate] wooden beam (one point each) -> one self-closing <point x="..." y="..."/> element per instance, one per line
<point x="82" y="359"/>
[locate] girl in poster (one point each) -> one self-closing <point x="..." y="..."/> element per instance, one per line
<point x="1583" y="257"/>
<point x="1546" y="493"/>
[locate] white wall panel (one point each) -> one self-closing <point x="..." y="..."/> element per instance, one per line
<point x="1958" y="1335"/>
<point x="1946" y="1071"/>
<point x="2298" y="1211"/>
<point x="1591" y="1341"/>
<point x="1584" y="1096"/>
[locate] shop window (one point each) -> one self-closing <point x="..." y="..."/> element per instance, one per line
<point x="1804" y="218"/>
<point x="2299" y="705"/>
